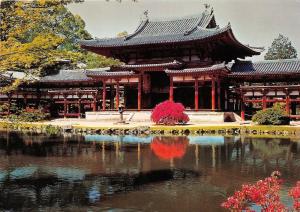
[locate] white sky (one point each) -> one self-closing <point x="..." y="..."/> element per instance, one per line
<point x="254" y="22"/>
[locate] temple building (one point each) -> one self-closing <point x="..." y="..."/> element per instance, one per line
<point x="188" y="59"/>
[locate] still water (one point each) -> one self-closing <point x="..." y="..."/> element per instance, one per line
<point x="111" y="173"/>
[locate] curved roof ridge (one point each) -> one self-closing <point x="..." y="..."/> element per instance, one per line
<point x="109" y="73"/>
<point x="193" y="28"/>
<point x="213" y="67"/>
<point x="141" y="26"/>
<point x="205" y="19"/>
<point x="174" y="62"/>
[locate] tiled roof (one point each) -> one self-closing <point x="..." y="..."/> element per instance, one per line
<point x="18" y="75"/>
<point x="66" y="75"/>
<point x="209" y="69"/>
<point x="175" y="63"/>
<point x="162" y="31"/>
<point x="109" y="73"/>
<point x="269" y="67"/>
<point x="83" y="75"/>
<point x="184" y="25"/>
<point x="188" y="29"/>
<point x="198" y="34"/>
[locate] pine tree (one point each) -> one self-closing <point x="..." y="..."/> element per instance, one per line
<point x="281" y="48"/>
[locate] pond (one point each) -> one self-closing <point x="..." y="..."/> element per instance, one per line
<point x="111" y="173"/>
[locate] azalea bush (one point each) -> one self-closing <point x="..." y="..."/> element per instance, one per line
<point x="295" y="194"/>
<point x="265" y="194"/>
<point x="272" y="116"/>
<point x="169" y="113"/>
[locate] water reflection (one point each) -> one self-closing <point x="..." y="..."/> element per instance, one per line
<point x="99" y="172"/>
<point x="168" y="148"/>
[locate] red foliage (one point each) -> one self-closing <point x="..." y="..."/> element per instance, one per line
<point x="295" y="193"/>
<point x="265" y="193"/>
<point x="169" y="113"/>
<point x="167" y="148"/>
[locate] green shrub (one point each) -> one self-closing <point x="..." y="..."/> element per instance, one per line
<point x="28" y="115"/>
<point x="3" y="107"/>
<point x="272" y="116"/>
<point x="52" y="130"/>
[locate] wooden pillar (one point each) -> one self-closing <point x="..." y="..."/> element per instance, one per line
<point x="226" y="99"/>
<point x="242" y="111"/>
<point x="95" y="102"/>
<point x="219" y="93"/>
<point x="139" y="94"/>
<point x="9" y="103"/>
<point x="65" y="106"/>
<point x="264" y="100"/>
<point x="117" y="95"/>
<point x="287" y="102"/>
<point x="213" y="94"/>
<point x="242" y="107"/>
<point x="111" y="99"/>
<point x="79" y="105"/>
<point x="196" y="94"/>
<point x="38" y="93"/>
<point x="103" y="95"/>
<point x="25" y="101"/>
<point x="171" y="92"/>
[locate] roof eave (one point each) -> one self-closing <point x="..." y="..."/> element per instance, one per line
<point x="248" y="49"/>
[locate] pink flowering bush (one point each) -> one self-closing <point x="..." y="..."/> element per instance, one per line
<point x="295" y="194"/>
<point x="264" y="193"/>
<point x="169" y="113"/>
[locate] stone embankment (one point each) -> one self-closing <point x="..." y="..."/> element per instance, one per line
<point x="233" y="129"/>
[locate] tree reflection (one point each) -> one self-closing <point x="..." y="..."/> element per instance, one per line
<point x="268" y="150"/>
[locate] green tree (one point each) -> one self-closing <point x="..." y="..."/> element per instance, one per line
<point x="281" y="48"/>
<point x="272" y="116"/>
<point x="93" y="60"/>
<point x="37" y="36"/>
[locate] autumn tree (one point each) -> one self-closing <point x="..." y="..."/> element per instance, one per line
<point x="38" y="36"/>
<point x="281" y="48"/>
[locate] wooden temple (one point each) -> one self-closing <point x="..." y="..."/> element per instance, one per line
<point x="189" y="60"/>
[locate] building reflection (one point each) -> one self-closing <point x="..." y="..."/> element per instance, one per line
<point x="58" y="171"/>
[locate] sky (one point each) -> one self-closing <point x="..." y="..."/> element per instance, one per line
<point x="254" y="22"/>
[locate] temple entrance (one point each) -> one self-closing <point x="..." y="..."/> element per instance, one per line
<point x="159" y="88"/>
<point x="184" y="93"/>
<point x="130" y="97"/>
<point x="205" y="96"/>
<point x="157" y="98"/>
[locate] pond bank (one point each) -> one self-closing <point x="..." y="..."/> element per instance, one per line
<point x="81" y="127"/>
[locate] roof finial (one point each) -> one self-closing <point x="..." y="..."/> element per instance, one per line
<point x="207" y="6"/>
<point x="146" y="14"/>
